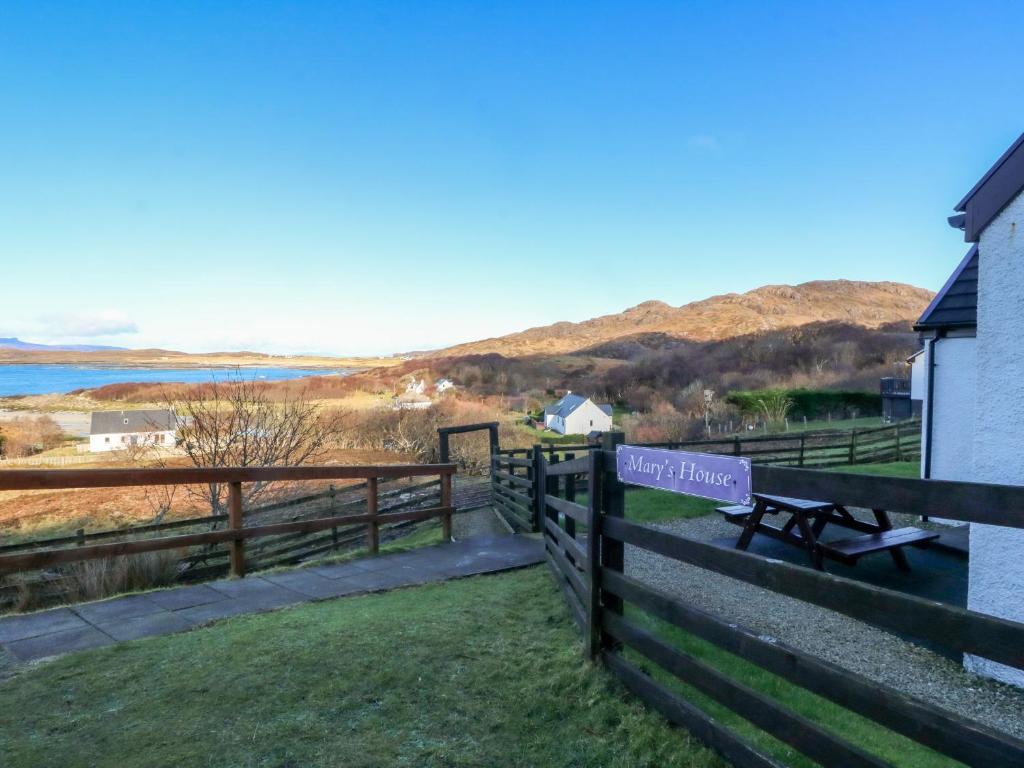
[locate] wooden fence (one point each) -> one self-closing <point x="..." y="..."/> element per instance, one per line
<point x="611" y="609"/>
<point x="239" y="527"/>
<point x="513" y="470"/>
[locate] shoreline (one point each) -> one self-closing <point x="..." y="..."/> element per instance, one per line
<point x="161" y="366"/>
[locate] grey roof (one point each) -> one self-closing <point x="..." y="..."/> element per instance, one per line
<point x="956" y="305"/>
<point x="113" y="422"/>
<point x="993" y="192"/>
<point x="570" y="403"/>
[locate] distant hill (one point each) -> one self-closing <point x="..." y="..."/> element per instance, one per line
<point x="14" y="351"/>
<point x="772" y="307"/>
<point x="27" y="346"/>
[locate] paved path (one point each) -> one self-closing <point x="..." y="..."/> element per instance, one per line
<point x="89" y="625"/>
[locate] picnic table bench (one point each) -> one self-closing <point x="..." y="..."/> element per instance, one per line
<point x="808" y="518"/>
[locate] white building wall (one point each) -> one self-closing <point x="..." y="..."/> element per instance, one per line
<point x="996" y="582"/>
<point x="119" y="441"/>
<point x="587" y="418"/>
<point x="918" y="378"/>
<point x="954" y="394"/>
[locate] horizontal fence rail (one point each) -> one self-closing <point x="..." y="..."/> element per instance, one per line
<point x="585" y="546"/>
<point x="514" y="470"/>
<point x="48" y="553"/>
<point x="821" y="449"/>
<point x="46" y="479"/>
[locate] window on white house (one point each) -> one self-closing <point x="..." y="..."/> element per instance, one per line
<point x="106" y="439"/>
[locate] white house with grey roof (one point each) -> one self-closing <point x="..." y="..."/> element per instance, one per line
<point x="577" y="415"/>
<point x="117" y="430"/>
<point x="973" y="367"/>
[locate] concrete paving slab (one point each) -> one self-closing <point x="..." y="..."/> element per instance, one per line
<point x="310" y="584"/>
<point x="336" y="571"/>
<point x="151" y="625"/>
<point x="186" y="597"/>
<point x="126" y="607"/>
<point x="13" y="628"/>
<point x="373" y="581"/>
<point x="60" y="630"/>
<point x="251" y="586"/>
<point x="58" y="643"/>
<point x="373" y="563"/>
<point x="202" y="614"/>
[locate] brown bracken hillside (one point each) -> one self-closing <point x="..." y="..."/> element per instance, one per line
<point x="772" y="307"/>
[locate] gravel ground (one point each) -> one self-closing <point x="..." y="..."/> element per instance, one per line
<point x="849" y="643"/>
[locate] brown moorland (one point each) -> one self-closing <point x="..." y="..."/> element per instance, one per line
<point x="771" y="307"/>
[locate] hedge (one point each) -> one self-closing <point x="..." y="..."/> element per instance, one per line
<point x="812" y="403"/>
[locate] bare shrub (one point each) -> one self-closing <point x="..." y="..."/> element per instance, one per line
<point x="28" y="435"/>
<point x="663" y="423"/>
<point x="239" y="424"/>
<point x="96" y="579"/>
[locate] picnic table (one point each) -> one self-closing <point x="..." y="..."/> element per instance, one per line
<point x="808" y="518"/>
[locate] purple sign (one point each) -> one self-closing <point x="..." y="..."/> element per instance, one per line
<point x="722" y="478"/>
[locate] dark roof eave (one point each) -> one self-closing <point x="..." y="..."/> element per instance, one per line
<point x="924" y="327"/>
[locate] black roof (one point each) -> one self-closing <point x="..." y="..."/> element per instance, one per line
<point x="120" y="422"/>
<point x="956" y="305"/>
<point x="1000" y="185"/>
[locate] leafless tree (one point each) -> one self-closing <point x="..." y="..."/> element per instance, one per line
<point x="239" y="423"/>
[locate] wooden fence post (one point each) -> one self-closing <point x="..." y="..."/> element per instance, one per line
<point x="802" y="438"/>
<point x="613" y="504"/>
<point x="493" y="467"/>
<point x="570" y="495"/>
<point x="537" y="485"/>
<point x="853" y="446"/>
<point x="551" y="481"/>
<point x="373" y="527"/>
<point x="736" y="445"/>
<point x="446" y="501"/>
<point x="236" y="547"/>
<point x="593" y="638"/>
<point x="899" y="448"/>
<point x="540" y="488"/>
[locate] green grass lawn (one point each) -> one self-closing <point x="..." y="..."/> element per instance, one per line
<point x="484" y="671"/>
<point x="543" y="436"/>
<point x="891" y="469"/>
<point x="821" y="425"/>
<point x="862" y="732"/>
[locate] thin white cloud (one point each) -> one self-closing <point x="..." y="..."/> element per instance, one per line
<point x="705" y="141"/>
<point x="107" y="322"/>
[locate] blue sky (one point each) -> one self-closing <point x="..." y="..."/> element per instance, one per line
<point x="377" y="177"/>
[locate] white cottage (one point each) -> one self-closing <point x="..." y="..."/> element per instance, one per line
<point x="973" y="377"/>
<point x="114" y="430"/>
<point x="577" y="415"/>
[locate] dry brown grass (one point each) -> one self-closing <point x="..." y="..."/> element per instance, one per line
<point x="28" y="515"/>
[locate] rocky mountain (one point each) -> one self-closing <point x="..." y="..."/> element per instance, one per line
<point x="772" y="307"/>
